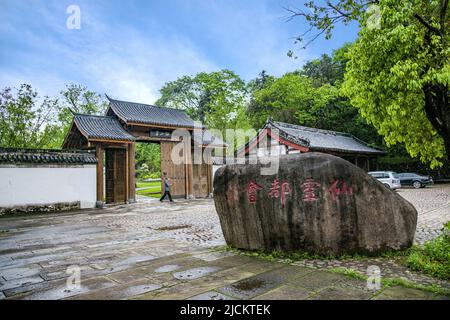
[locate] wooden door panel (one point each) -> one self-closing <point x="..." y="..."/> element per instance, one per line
<point x="115" y="178"/>
<point x="175" y="172"/>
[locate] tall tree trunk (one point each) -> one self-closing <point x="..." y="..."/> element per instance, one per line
<point x="438" y="112"/>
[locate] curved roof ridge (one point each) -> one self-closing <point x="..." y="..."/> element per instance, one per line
<point x="92" y="115"/>
<point x="144" y="104"/>
<point x="294" y="126"/>
<point x="140" y="113"/>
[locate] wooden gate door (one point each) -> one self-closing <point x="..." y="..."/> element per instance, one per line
<point x="115" y="163"/>
<point x="175" y="172"/>
<point x="200" y="176"/>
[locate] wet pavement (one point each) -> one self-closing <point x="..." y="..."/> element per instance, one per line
<point x="153" y="250"/>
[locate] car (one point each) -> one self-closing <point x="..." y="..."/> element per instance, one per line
<point x="388" y="178"/>
<point x="414" y="180"/>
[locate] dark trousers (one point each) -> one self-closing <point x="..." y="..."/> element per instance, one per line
<point x="164" y="195"/>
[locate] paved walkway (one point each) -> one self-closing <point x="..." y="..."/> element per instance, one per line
<point x="152" y="250"/>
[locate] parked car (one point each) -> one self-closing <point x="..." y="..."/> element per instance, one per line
<point x="414" y="180"/>
<point x="388" y="178"/>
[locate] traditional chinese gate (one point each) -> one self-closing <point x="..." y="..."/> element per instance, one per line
<point x="175" y="172"/>
<point x="115" y="175"/>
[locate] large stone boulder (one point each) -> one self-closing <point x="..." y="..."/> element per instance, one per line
<point x="315" y="202"/>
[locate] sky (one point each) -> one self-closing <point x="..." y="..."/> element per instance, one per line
<point x="129" y="49"/>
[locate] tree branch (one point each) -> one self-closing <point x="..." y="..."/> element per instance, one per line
<point x="443" y="13"/>
<point x="427" y="25"/>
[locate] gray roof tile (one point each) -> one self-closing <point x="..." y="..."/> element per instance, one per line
<point x="323" y="140"/>
<point x="101" y="127"/>
<point x="42" y="156"/>
<point x="149" y="114"/>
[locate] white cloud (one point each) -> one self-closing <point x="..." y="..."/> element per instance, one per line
<point x="114" y="57"/>
<point x="118" y="60"/>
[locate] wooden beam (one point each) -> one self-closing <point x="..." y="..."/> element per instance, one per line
<point x="112" y="141"/>
<point x="136" y="124"/>
<point x="100" y="189"/>
<point x="131" y="173"/>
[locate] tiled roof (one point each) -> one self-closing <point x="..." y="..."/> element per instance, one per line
<point x="101" y="127"/>
<point x="149" y="114"/>
<point x="209" y="139"/>
<point x="16" y="156"/>
<point x="326" y="140"/>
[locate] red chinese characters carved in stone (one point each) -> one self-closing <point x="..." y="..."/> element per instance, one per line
<point x="309" y="188"/>
<point x="275" y="191"/>
<point x="252" y="189"/>
<point x="336" y="191"/>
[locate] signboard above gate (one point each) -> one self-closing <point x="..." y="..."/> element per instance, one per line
<point x="165" y="134"/>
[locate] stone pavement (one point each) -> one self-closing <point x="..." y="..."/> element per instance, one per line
<point x="152" y="250"/>
<point x="433" y="206"/>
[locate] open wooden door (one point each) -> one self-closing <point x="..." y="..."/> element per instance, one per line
<point x="175" y="172"/>
<point x="116" y="180"/>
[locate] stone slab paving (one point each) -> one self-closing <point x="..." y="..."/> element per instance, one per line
<point x="153" y="250"/>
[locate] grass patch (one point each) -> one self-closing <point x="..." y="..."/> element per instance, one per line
<point x="349" y="272"/>
<point x="303" y="255"/>
<point x="144" y="184"/>
<point x="433" y="258"/>
<point x="154" y="188"/>
<point x="391" y="282"/>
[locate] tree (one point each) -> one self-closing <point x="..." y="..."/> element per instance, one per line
<point x="399" y="70"/>
<point x="148" y="159"/>
<point x="79" y="99"/>
<point x="217" y="99"/>
<point x="257" y="112"/>
<point x="25" y="122"/>
<point x="294" y="99"/>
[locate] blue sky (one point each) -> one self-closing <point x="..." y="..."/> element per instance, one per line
<point x="129" y="49"/>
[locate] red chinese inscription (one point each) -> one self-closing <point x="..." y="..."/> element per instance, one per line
<point x="252" y="189"/>
<point x="275" y="191"/>
<point x="309" y="188"/>
<point x="339" y="187"/>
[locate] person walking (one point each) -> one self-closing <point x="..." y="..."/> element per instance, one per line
<point x="166" y="183"/>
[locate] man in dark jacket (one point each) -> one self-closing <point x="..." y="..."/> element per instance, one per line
<point x="166" y="185"/>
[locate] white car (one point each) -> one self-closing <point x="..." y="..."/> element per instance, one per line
<point x="388" y="178"/>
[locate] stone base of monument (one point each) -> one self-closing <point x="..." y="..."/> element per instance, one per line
<point x="315" y="202"/>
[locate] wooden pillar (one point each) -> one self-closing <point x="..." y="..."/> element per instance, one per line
<point x="209" y="169"/>
<point x="189" y="170"/>
<point x="131" y="173"/>
<point x="100" y="189"/>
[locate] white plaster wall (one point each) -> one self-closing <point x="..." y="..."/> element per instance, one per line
<point x="47" y="185"/>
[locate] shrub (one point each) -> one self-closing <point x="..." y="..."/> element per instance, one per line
<point x="433" y="257"/>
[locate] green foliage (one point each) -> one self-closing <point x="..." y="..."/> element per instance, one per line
<point x="25" y="122"/>
<point x="399" y="70"/>
<point x="217" y="99"/>
<point x="148" y="160"/>
<point x="293" y="99"/>
<point x="385" y="77"/>
<point x="327" y="69"/>
<point x="391" y="282"/>
<point x="77" y="99"/>
<point x="434" y="256"/>
<point x="257" y="112"/>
